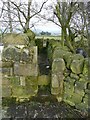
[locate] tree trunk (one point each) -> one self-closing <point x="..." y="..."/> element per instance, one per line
<point x="28" y="16"/>
<point x="9" y="16"/>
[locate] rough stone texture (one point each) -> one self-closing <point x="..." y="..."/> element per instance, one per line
<point x="86" y="65"/>
<point x="58" y="65"/>
<point x="58" y="53"/>
<point x="77" y="66"/>
<point x="11" y="54"/>
<point x="6" y="91"/>
<point x="24" y="91"/>
<point x="68" y="81"/>
<point x="6" y="71"/>
<point x="31" y="80"/>
<point x="68" y="59"/>
<point x="25" y="69"/>
<point x="15" y="39"/>
<point x="5" y="64"/>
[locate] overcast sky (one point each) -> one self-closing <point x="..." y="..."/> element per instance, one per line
<point x="42" y="25"/>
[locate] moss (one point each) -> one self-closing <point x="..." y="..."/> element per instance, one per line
<point x="15" y="39"/>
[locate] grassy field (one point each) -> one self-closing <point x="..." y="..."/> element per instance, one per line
<point x="48" y="37"/>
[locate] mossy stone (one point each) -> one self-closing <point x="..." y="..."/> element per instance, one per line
<point x="77" y="66"/>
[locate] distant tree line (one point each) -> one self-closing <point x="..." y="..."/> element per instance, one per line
<point x="45" y="33"/>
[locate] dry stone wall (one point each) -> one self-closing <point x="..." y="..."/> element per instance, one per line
<point x="70" y="81"/>
<point x="69" y="74"/>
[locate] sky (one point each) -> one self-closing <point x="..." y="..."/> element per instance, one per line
<point x="42" y="25"/>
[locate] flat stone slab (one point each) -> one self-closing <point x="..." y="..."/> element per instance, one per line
<point x="21" y="69"/>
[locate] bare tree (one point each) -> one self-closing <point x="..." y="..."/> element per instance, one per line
<point x="20" y="14"/>
<point x="70" y="17"/>
<point x="9" y="16"/>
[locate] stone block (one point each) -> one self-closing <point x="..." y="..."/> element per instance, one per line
<point x="77" y="66"/>
<point x="29" y="55"/>
<point x="5" y="81"/>
<point x="22" y="81"/>
<point x="14" y="80"/>
<point x="6" y="64"/>
<point x="19" y="92"/>
<point x="76" y="98"/>
<point x="68" y="59"/>
<point x="78" y="57"/>
<point x="6" y="91"/>
<point x="58" y="65"/>
<point x="80" y="85"/>
<point x="31" y="80"/>
<point x="74" y="76"/>
<point x="81" y="106"/>
<point x="86" y="66"/>
<point x="25" y="69"/>
<point x="55" y="91"/>
<point x="54" y="81"/>
<point x="43" y="80"/>
<point x="24" y="91"/>
<point x="15" y="39"/>
<point x="69" y="101"/>
<point x="85" y="100"/>
<point x="6" y="71"/>
<point x="69" y="81"/>
<point x="11" y="53"/>
<point x="58" y="53"/>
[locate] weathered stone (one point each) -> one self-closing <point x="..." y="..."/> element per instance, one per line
<point x="68" y="59"/>
<point x="69" y="81"/>
<point x="87" y="91"/>
<point x="43" y="80"/>
<point x="68" y="89"/>
<point x="55" y="91"/>
<point x="22" y="81"/>
<point x="15" y="39"/>
<point x="86" y="65"/>
<point x="57" y="80"/>
<point x="84" y="79"/>
<point x="54" y="81"/>
<point x="77" y="66"/>
<point x="25" y="69"/>
<point x="76" y="98"/>
<point x="74" y="76"/>
<point x="6" y="64"/>
<point x="25" y="56"/>
<point x="58" y="65"/>
<point x="6" y="71"/>
<point x="19" y="92"/>
<point x="24" y="92"/>
<point x="78" y="57"/>
<point x="5" y="81"/>
<point x="31" y="80"/>
<point x="11" y="53"/>
<point x="58" y="53"/>
<point x="66" y="72"/>
<point x="67" y="94"/>
<point x="32" y="90"/>
<point x="81" y="106"/>
<point x="6" y="91"/>
<point x="69" y="101"/>
<point x="80" y="85"/>
<point x="14" y="81"/>
<point x="85" y="100"/>
<point x="33" y="54"/>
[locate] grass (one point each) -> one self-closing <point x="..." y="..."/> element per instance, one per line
<point x="48" y="37"/>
